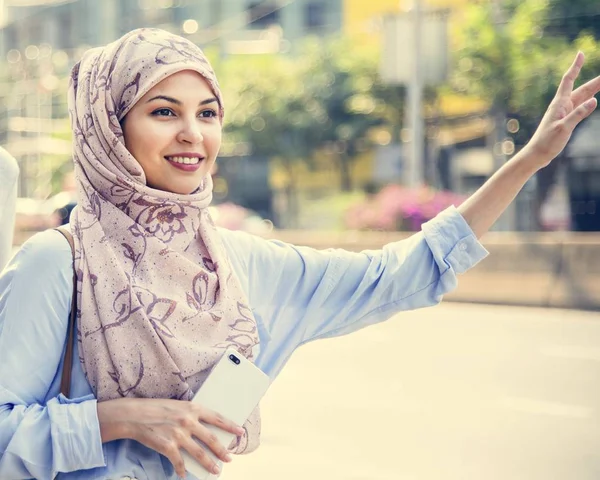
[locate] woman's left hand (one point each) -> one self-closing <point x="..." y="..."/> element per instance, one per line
<point x="567" y="110"/>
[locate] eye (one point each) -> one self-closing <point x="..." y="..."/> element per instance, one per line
<point x="163" y="112"/>
<point x="208" y="114"/>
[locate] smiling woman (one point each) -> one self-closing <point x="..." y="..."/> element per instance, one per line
<point x="174" y="132"/>
<point x="159" y="293"/>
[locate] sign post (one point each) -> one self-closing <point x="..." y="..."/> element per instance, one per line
<point x="415" y="53"/>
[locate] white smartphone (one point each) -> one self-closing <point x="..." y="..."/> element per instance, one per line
<point x="233" y="388"/>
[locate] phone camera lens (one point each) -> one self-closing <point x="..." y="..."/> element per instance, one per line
<point x="234" y="359"/>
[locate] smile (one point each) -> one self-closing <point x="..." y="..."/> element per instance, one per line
<point x="187" y="164"/>
<point x="184" y="160"/>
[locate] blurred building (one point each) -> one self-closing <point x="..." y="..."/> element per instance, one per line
<point x="363" y="17"/>
<point x="70" y="25"/>
<point x="583" y="176"/>
<point x="459" y="130"/>
<point x="41" y="39"/>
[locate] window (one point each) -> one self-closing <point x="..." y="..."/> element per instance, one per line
<point x="11" y="37"/>
<point x="65" y="29"/>
<point x="314" y="16"/>
<point x="263" y="14"/>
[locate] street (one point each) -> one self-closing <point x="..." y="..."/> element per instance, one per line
<point x="458" y="391"/>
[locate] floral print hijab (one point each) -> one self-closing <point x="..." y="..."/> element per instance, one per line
<point x="158" y="301"/>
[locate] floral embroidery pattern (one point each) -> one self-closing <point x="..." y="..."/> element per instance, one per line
<point x="158" y="301"/>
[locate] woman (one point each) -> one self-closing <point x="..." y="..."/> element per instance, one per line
<point x="9" y="174"/>
<point x="161" y="292"/>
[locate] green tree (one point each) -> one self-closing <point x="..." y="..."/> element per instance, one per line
<point x="343" y="79"/>
<point x="569" y="18"/>
<point x="511" y="54"/>
<point x="266" y="109"/>
<point x="327" y="94"/>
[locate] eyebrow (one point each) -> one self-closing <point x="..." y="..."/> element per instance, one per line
<point x="177" y="102"/>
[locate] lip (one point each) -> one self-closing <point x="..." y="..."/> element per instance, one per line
<point x="187" y="155"/>
<point x="183" y="166"/>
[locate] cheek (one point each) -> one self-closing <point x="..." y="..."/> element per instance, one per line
<point x="212" y="138"/>
<point x="132" y="135"/>
<point x="147" y="141"/>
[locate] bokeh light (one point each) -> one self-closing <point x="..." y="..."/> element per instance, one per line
<point x="513" y="125"/>
<point x="13" y="56"/>
<point x="60" y="59"/>
<point x="32" y="52"/>
<point x="190" y="26"/>
<point x="508" y="147"/>
<point x="258" y="124"/>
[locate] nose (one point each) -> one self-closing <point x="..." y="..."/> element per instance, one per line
<point x="190" y="132"/>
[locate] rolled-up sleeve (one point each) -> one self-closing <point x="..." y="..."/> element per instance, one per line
<point x="453" y="244"/>
<point x="301" y="294"/>
<point x="413" y="273"/>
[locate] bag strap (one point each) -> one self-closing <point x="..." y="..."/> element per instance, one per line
<point x="65" y="384"/>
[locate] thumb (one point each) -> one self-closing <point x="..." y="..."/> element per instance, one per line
<point x="581" y="112"/>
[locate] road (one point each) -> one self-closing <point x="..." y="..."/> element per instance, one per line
<point x="453" y="392"/>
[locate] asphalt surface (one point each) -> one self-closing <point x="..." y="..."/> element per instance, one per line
<point x="453" y="392"/>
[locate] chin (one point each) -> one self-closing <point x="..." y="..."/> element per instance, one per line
<point x="179" y="184"/>
<point x="178" y="189"/>
<point x="183" y="190"/>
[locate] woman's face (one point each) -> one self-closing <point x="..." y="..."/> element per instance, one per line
<point x="174" y="132"/>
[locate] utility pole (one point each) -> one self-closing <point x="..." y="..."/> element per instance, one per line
<point x="416" y="145"/>
<point x="507" y="220"/>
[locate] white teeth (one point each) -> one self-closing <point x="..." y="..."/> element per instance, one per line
<point x="184" y="160"/>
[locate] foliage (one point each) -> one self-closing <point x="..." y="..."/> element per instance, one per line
<point x="327" y="95"/>
<point x="263" y="100"/>
<point x="516" y="60"/>
<point x="569" y="18"/>
<point x="516" y="56"/>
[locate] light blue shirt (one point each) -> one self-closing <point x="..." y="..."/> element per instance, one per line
<point x="297" y="294"/>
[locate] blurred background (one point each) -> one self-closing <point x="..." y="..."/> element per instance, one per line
<point x="341" y="114"/>
<point x="349" y="123"/>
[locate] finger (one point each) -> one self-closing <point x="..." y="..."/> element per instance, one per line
<point x="201" y="455"/>
<point x="171" y="451"/>
<point x="568" y="81"/>
<point x="213" y="418"/>
<point x="211" y="441"/>
<point x="581" y="112"/>
<point x="586" y="91"/>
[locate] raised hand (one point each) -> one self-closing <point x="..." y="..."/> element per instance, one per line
<point x="567" y="110"/>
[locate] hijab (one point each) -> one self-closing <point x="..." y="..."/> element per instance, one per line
<point x="158" y="300"/>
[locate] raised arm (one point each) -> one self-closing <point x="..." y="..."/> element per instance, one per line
<point x="565" y="112"/>
<point x="299" y="294"/>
